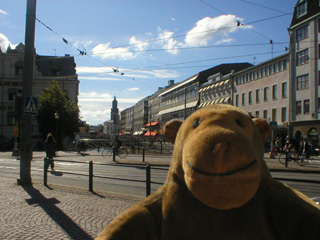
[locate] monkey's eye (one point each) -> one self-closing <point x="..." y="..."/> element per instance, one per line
<point x="239" y="123"/>
<point x="196" y="123"/>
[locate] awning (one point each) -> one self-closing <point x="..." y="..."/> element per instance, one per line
<point x="227" y="100"/>
<point x="221" y="100"/>
<point x="152" y="133"/>
<point x="152" y="124"/>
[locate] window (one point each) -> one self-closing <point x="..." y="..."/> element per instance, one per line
<point x="237" y="100"/>
<point x="265" y="114"/>
<point x="302" y="33"/>
<point x="306" y="106"/>
<point x="257" y="95"/>
<point x="283" y="114"/>
<point x="11" y="118"/>
<point x="274" y="115"/>
<point x="250" y="97"/>
<point x="302" y="9"/>
<point x="243" y="99"/>
<point x="298" y="107"/>
<point x="280" y="66"/>
<point x="303" y="57"/>
<point x="262" y="72"/>
<point x="19" y="70"/>
<point x="266" y="94"/>
<point x="275" y="66"/>
<point x="303" y="82"/>
<point x="257" y="114"/>
<point x="275" y="92"/>
<point x="284" y="64"/>
<point x="271" y="69"/>
<point x="284" y="90"/>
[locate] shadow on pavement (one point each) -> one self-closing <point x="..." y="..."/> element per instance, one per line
<point x="56" y="214"/>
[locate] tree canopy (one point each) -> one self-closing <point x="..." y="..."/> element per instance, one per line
<point x="52" y="101"/>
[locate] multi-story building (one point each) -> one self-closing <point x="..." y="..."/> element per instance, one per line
<point x="263" y="91"/>
<point x="304" y="70"/>
<point x="140" y="112"/>
<point x="46" y="69"/>
<point x="218" y="87"/>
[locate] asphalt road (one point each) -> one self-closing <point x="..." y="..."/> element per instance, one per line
<point x="129" y="175"/>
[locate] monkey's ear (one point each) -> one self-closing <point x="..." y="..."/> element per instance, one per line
<point x="170" y="130"/>
<point x="263" y="128"/>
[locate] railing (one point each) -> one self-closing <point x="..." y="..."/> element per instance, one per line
<point x="91" y="174"/>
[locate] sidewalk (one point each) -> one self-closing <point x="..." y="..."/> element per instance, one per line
<point x="64" y="212"/>
<point x="58" y="212"/>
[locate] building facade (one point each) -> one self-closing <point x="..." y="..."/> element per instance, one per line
<point x="304" y="34"/>
<point x="46" y="69"/>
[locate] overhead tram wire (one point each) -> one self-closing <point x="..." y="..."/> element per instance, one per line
<point x="163" y="67"/>
<point x="190" y="48"/>
<point x="262" y="6"/>
<point x="239" y="23"/>
<point x="81" y="52"/>
<point x="183" y="35"/>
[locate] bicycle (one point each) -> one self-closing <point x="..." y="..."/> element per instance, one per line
<point x="302" y="158"/>
<point x="108" y="152"/>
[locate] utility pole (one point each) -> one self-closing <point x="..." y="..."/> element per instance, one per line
<point x="26" y="120"/>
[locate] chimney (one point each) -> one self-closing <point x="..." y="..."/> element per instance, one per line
<point x="170" y="83"/>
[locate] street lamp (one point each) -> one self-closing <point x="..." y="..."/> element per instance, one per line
<point x="56" y="117"/>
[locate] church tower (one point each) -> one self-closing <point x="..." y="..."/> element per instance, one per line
<point x="115" y="111"/>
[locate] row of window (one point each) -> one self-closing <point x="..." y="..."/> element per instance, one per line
<point x="262" y="72"/>
<point x="274" y="114"/>
<point x="266" y="90"/>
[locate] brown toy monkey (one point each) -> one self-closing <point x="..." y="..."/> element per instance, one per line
<point x="219" y="187"/>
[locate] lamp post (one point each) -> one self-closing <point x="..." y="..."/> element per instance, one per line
<point x="56" y="117"/>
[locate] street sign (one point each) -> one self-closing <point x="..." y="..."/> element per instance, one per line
<point x="31" y="106"/>
<point x="274" y="125"/>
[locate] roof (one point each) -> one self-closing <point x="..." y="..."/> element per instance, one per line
<point x="313" y="8"/>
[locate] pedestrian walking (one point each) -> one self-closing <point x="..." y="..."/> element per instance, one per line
<point x="77" y="140"/>
<point x="50" y="151"/>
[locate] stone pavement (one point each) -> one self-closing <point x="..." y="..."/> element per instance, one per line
<point x="57" y="212"/>
<point x="64" y="212"/>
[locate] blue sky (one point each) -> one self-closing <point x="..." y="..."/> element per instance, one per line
<point x="149" y="41"/>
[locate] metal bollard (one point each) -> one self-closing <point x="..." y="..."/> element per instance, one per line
<point x="161" y="147"/>
<point x="286" y="160"/>
<point x="91" y="176"/>
<point x="114" y="154"/>
<point x="45" y="172"/>
<point x="143" y="155"/>
<point x="148" y="180"/>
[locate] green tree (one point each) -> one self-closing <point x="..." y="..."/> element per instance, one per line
<point x="53" y="100"/>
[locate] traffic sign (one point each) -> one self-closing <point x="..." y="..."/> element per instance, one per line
<point x="274" y="125"/>
<point x="31" y="106"/>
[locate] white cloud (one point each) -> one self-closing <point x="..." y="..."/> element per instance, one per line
<point x="85" y="72"/>
<point x="3" y="12"/>
<point x="168" y="42"/>
<point x="227" y="40"/>
<point x="173" y="19"/>
<point x="104" y="51"/>
<point x="87" y="78"/>
<point x="138" y="45"/>
<point x="4" y="42"/>
<point x="133" y="89"/>
<point x="82" y="43"/>
<point x="209" y="28"/>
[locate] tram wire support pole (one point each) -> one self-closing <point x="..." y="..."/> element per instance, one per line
<point x="26" y="120"/>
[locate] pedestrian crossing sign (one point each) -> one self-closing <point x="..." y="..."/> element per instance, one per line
<point x="31" y="106"/>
